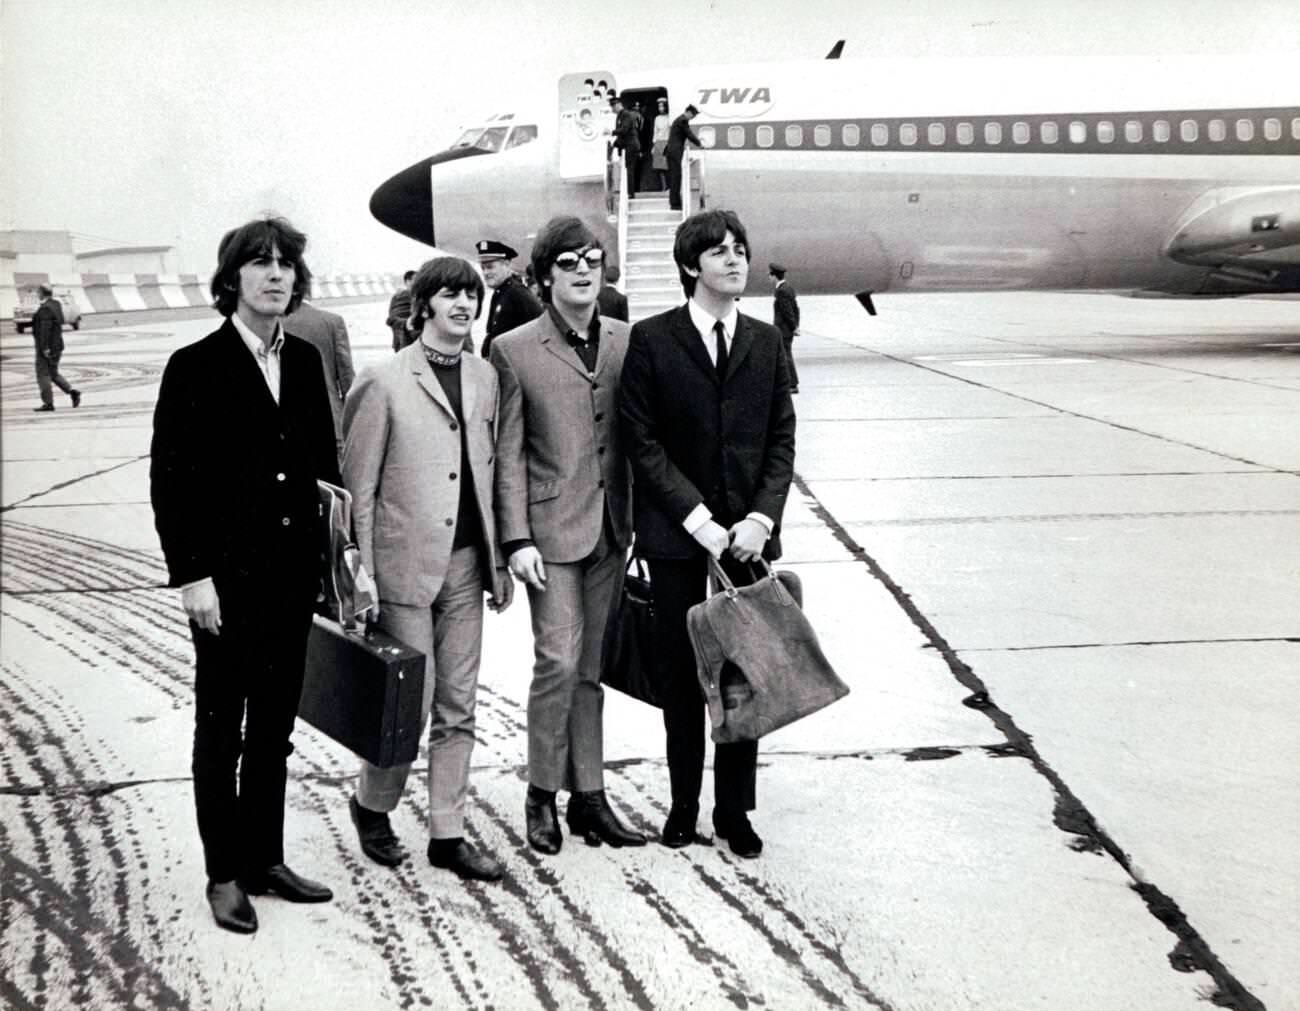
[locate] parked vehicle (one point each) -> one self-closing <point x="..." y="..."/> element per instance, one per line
<point x="29" y="300"/>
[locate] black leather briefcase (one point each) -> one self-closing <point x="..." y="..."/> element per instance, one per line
<point x="364" y="689"/>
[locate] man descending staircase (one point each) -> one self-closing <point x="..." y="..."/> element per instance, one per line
<point x="650" y="275"/>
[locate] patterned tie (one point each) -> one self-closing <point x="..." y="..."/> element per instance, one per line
<point x="720" y="359"/>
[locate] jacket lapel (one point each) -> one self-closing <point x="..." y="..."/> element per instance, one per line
<point x="554" y="342"/>
<point x="741" y="342"/>
<point x="423" y="372"/>
<point x="688" y="337"/>
<point x="244" y="369"/>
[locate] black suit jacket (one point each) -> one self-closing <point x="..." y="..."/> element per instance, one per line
<point x="693" y="439"/>
<point x="612" y="303"/>
<point x="47" y="327"/>
<point x="786" y="309"/>
<point x="678" y="134"/>
<point x="512" y="305"/>
<point x="232" y="474"/>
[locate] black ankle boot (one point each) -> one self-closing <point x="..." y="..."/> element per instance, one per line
<point x="590" y="816"/>
<point x="541" y="821"/>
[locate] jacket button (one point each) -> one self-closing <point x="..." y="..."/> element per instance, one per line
<point x="454" y="426"/>
<point x="279" y="477"/>
<point x="452" y="476"/>
<point x="600" y="483"/>
<point x="600" y="451"/>
<point x="595" y="386"/>
<point x="449" y="522"/>
<point x="599" y="416"/>
<point x="284" y="522"/>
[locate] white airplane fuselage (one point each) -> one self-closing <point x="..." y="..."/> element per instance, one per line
<point x="1167" y="175"/>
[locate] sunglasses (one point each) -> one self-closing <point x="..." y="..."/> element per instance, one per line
<point x="568" y="262"/>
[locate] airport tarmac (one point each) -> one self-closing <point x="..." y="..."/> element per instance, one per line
<point x="1051" y="541"/>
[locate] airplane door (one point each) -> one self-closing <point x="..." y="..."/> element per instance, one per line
<point x="586" y="124"/>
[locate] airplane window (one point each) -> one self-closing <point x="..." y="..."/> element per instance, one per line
<point x="1049" y="132"/>
<point x="822" y="135"/>
<point x="851" y="135"/>
<point x="523" y="134"/>
<point x="467" y="138"/>
<point x="1105" y="131"/>
<point x="794" y="135"/>
<point x="1295" y="127"/>
<point x="1188" y="130"/>
<point x="735" y="136"/>
<point x="1133" y="131"/>
<point x="936" y="133"/>
<point x="992" y="133"/>
<point x="1160" y="131"/>
<point x="1217" y="129"/>
<point x="880" y="133"/>
<point x="965" y="133"/>
<point x="707" y="137"/>
<point x="1245" y="129"/>
<point x="765" y="136"/>
<point x="1020" y="133"/>
<point x="1272" y="128"/>
<point x="1078" y="131"/>
<point x="491" y="139"/>
<point x="907" y="134"/>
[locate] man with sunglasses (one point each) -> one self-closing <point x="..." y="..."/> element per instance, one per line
<point x="564" y="519"/>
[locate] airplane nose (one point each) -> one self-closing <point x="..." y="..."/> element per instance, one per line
<point x="404" y="202"/>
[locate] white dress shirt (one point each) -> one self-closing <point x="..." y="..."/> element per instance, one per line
<point x="267" y="358"/>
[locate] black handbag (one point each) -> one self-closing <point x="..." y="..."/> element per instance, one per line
<point x="630" y="661"/>
<point x="757" y="657"/>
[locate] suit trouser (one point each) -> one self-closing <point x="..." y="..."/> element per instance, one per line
<point x="449" y="632"/>
<point x="566" y="737"/>
<point x="788" y="340"/>
<point x="678" y="585"/>
<point x="249" y="677"/>
<point x="47" y="377"/>
<point x="675" y="181"/>
<point x="632" y="164"/>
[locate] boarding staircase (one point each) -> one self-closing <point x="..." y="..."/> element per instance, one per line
<point x="649" y="273"/>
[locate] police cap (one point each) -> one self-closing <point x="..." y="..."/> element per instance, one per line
<point x="490" y="249"/>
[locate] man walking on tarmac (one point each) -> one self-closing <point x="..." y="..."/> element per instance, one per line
<point x="512" y="303"/>
<point x="47" y="329"/>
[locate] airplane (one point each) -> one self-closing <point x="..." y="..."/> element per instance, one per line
<point x="1158" y="176"/>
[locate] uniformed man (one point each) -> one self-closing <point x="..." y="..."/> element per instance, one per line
<point x="512" y="303"/>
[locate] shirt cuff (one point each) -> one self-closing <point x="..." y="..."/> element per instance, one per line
<point x="767" y="524"/>
<point x="510" y="547"/>
<point x="696" y="518"/>
<point x="197" y="582"/>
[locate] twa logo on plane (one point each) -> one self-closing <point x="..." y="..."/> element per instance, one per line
<point x="729" y="102"/>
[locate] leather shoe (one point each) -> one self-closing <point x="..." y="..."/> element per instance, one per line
<point x="280" y="880"/>
<point x="378" y="841"/>
<point x="43" y="407"/>
<point x="590" y="816"/>
<point x="76" y="398"/>
<point x="541" y="822"/>
<point x="231" y="908"/>
<point x="739" y="833"/>
<point x="679" y="829"/>
<point x="459" y="857"/>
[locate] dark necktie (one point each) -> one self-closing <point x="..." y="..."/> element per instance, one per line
<point x="720" y="359"/>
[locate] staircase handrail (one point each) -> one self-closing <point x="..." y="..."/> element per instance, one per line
<point x="622" y="218"/>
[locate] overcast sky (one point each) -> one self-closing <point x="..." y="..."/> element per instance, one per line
<point x="169" y="121"/>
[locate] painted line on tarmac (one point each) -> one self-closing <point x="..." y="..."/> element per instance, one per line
<point x="1191" y="951"/>
<point x="1140" y="642"/>
<point x="71" y="481"/>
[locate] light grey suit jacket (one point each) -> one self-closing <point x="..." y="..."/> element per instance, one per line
<point x="329" y="335"/>
<point x="560" y="463"/>
<point x="401" y="462"/>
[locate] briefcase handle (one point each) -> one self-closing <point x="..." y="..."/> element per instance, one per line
<point x="725" y="585"/>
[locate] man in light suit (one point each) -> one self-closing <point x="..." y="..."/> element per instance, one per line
<point x="418" y="460"/>
<point x="564" y="520"/>
<point x="329" y="335"/>
<point x="709" y="428"/>
<point x="242" y="433"/>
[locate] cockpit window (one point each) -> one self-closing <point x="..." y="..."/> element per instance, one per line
<point x="523" y="134"/>
<point x="485" y="140"/>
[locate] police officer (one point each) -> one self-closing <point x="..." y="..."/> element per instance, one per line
<point x="512" y="303"/>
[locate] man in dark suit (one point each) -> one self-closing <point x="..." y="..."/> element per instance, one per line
<point x="512" y="303"/>
<point x="785" y="316"/>
<point x="709" y="427"/>
<point x="678" y="135"/>
<point x="563" y="518"/>
<point x="399" y="314"/>
<point x="611" y="302"/>
<point x="328" y="334"/>
<point x="627" y="139"/>
<point x="47" y="330"/>
<point x="242" y="432"/>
